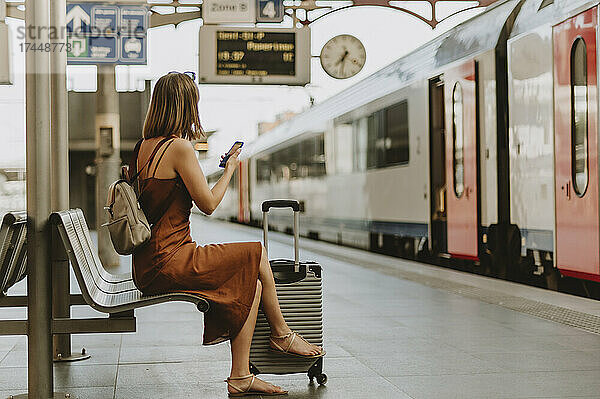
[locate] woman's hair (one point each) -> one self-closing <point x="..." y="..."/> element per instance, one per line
<point x="174" y="108"/>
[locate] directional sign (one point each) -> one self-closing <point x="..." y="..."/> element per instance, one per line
<point x="92" y="49"/>
<point x="133" y="49"/>
<point x="134" y="20"/>
<point x="100" y="33"/>
<point x="105" y="19"/>
<point x="228" y="11"/>
<point x="269" y="11"/>
<point x="79" y="20"/>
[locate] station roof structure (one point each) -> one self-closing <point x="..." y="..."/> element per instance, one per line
<point x="431" y="17"/>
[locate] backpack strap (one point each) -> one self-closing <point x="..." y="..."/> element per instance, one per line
<point x="132" y="167"/>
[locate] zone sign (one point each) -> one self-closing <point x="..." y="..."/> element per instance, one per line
<point x="269" y="11"/>
<point x="229" y="11"/>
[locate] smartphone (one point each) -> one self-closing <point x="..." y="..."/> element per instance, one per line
<point x="236" y="146"/>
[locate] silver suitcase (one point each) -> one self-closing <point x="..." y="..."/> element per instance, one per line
<point x="300" y="293"/>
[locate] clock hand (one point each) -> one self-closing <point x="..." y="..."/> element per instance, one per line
<point x="343" y="58"/>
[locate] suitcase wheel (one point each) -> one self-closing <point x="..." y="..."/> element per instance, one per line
<point x="321" y="378"/>
<point x="317" y="371"/>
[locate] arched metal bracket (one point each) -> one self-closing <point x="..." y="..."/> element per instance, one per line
<point x="310" y="5"/>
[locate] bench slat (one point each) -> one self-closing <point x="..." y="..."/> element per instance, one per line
<point x="13" y="250"/>
<point x="102" y="290"/>
<point x="79" y="220"/>
<point x="106" y="283"/>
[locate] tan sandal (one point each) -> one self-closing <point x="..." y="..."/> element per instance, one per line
<point x="286" y="351"/>
<point x="247" y="391"/>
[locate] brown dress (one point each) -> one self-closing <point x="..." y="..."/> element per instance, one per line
<point x="224" y="274"/>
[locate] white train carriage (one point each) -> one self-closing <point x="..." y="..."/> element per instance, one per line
<point x="480" y="145"/>
<point x="360" y="161"/>
<point x="553" y="132"/>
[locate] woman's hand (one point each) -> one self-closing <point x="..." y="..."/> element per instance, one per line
<point x="233" y="161"/>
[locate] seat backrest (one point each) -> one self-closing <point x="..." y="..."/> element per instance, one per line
<point x="100" y="289"/>
<point x="13" y="250"/>
<point x="91" y="276"/>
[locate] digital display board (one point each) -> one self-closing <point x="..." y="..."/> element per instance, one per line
<point x="254" y="56"/>
<point x="255" y="53"/>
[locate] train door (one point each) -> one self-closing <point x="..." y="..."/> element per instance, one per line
<point x="460" y="87"/>
<point x="437" y="167"/>
<point x="576" y="146"/>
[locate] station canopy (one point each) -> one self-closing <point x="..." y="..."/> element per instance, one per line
<point x="412" y="7"/>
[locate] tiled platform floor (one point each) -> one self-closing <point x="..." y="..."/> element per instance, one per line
<point x="385" y="337"/>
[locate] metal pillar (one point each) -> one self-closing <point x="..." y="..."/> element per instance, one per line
<point x="39" y="281"/>
<point x="108" y="159"/>
<point x="60" y="182"/>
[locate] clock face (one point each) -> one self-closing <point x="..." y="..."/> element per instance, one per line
<point x="343" y="57"/>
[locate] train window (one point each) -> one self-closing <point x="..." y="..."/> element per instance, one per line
<point x="396" y="134"/>
<point x="458" y="139"/>
<point x="317" y="157"/>
<point x="359" y="133"/>
<point x="579" y="117"/>
<point x="294" y="157"/>
<point x="344" y="153"/>
<point x="304" y="159"/>
<point x="387" y="137"/>
<point x="375" y="148"/>
<point x="263" y="169"/>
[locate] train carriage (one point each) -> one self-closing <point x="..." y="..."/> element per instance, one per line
<point x="360" y="162"/>
<point x="554" y="136"/>
<point x="480" y="145"/>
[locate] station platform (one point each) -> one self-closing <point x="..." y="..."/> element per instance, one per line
<point x="393" y="329"/>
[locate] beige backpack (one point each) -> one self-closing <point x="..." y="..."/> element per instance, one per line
<point x="127" y="223"/>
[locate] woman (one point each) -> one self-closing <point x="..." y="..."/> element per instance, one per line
<point x="234" y="277"/>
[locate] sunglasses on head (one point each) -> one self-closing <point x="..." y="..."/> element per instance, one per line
<point x="191" y="74"/>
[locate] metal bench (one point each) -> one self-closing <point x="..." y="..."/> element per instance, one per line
<point x="103" y="291"/>
<point x="13" y="250"/>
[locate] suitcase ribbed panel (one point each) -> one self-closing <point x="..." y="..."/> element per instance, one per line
<point x="302" y="307"/>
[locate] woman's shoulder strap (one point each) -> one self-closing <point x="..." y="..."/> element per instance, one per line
<point x="162" y="154"/>
<point x="149" y="161"/>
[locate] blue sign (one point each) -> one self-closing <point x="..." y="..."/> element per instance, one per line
<point x="99" y="33"/>
<point x="104" y="19"/>
<point x="269" y="11"/>
<point x="92" y="49"/>
<point x="79" y="18"/>
<point x="133" y="49"/>
<point x="134" y="20"/>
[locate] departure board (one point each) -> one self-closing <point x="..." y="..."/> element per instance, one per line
<point x="254" y="55"/>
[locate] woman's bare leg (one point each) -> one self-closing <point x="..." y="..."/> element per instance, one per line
<point x="270" y="306"/>
<point x="240" y="351"/>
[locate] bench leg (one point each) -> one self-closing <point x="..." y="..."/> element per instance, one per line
<point x="61" y="303"/>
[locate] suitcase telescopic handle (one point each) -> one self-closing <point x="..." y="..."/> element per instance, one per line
<point x="281" y="203"/>
<point x="295" y="205"/>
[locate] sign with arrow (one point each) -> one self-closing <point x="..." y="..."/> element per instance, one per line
<point x="79" y="18"/>
<point x="106" y="33"/>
